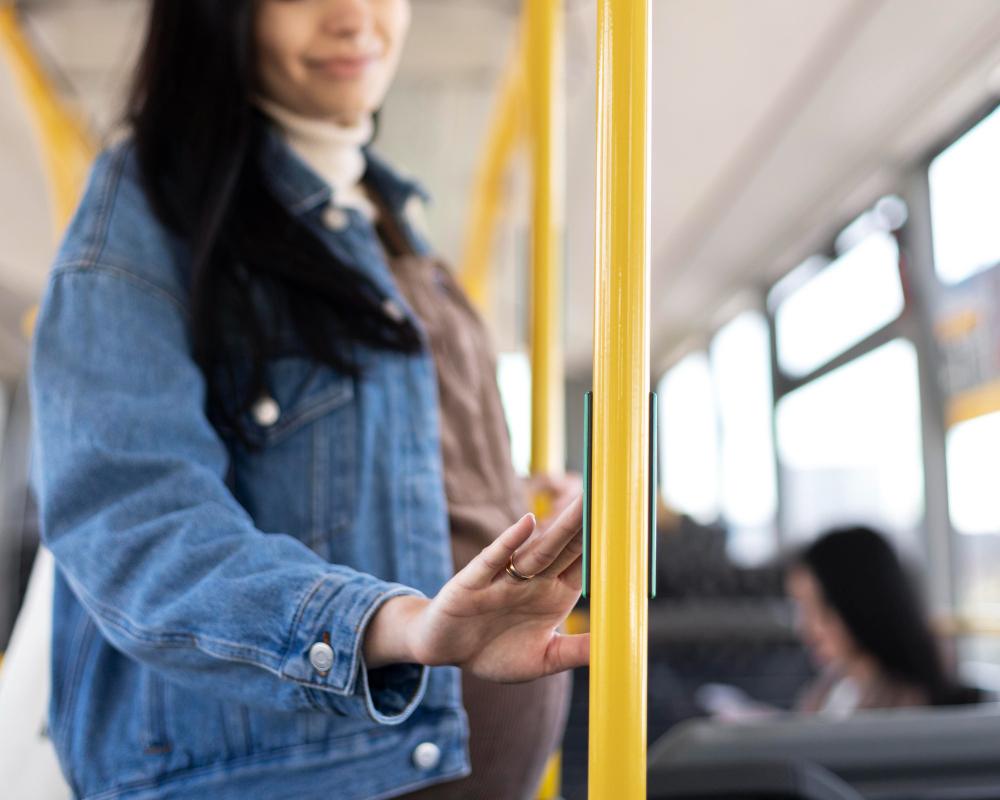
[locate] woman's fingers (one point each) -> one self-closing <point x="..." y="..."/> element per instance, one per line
<point x="571" y="553"/>
<point x="481" y="571"/>
<point x="567" y="652"/>
<point x="542" y="551"/>
<point x="573" y="574"/>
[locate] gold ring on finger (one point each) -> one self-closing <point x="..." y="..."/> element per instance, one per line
<point x="514" y="572"/>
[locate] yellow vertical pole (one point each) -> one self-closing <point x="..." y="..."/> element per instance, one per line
<point x="543" y="61"/>
<point x="620" y="486"/>
<point x="543" y="52"/>
<point x="66" y="147"/>
<point x="506" y="131"/>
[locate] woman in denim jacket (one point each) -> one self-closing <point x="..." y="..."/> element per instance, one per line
<point x="261" y="422"/>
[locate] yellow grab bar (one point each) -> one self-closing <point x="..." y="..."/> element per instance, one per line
<point x="543" y="51"/>
<point x="66" y="146"/>
<point x="620" y="457"/>
<point x="505" y="133"/>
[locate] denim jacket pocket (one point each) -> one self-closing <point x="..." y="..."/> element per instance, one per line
<point x="310" y="408"/>
<point x="299" y="476"/>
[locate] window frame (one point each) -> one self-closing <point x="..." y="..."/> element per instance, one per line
<point x="915" y="324"/>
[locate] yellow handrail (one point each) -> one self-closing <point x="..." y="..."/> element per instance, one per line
<point x="544" y="53"/>
<point x="67" y="148"/>
<point x="620" y="456"/>
<point x="506" y="131"/>
<point x="543" y="59"/>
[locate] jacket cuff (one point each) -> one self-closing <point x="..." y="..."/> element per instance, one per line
<point x="325" y="654"/>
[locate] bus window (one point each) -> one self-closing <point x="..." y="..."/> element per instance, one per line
<point x="689" y="464"/>
<point x="514" y="381"/>
<point x="965" y="202"/>
<point x="973" y="453"/>
<point x="843" y="303"/>
<point x="849" y="448"/>
<point x="741" y="366"/>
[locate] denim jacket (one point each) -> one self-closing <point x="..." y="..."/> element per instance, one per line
<point x="211" y="598"/>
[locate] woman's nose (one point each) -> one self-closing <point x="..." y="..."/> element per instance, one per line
<point x="347" y="19"/>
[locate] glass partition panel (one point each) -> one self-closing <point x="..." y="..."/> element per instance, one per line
<point x="741" y="365"/>
<point x="849" y="446"/>
<point x="850" y="299"/>
<point x="689" y="462"/>
<point x="973" y="453"/>
<point x="965" y="202"/>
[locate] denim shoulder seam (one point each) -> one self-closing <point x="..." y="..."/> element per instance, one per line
<point x="107" y="192"/>
<point x="83" y="266"/>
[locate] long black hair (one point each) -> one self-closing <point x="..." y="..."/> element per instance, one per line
<point x="199" y="141"/>
<point x="864" y="582"/>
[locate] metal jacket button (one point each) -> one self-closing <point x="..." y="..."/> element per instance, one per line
<point x="335" y="219"/>
<point x="266" y="411"/>
<point x="393" y="311"/>
<point x="321" y="656"/>
<point x="413" y="211"/>
<point x="426" y="755"/>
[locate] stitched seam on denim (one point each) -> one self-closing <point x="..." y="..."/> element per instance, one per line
<point x="81" y="267"/>
<point x="313" y="697"/>
<point x="271" y="760"/>
<point x="108" y="192"/>
<point x="441" y="777"/>
<point x="311" y="201"/>
<point x="154" y="722"/>
<point x="81" y="645"/>
<point x="329" y="400"/>
<point x="121" y="622"/>
<point x="376" y="603"/>
<point x="407" y="705"/>
<point x="129" y="626"/>
<point x="349" y="686"/>
<point x="293" y="629"/>
<point x="317" y="471"/>
<point x="291" y="190"/>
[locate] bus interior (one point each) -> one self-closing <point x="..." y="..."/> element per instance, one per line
<point x="824" y="342"/>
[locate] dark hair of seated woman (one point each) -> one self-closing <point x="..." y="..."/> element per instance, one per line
<point x="863" y="620"/>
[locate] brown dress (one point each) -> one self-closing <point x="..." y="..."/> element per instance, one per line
<point x="514" y="728"/>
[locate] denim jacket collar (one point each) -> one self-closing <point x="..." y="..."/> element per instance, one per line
<point x="302" y="190"/>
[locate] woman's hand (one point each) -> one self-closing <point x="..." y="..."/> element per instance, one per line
<point x="495" y="626"/>
<point x="557" y="489"/>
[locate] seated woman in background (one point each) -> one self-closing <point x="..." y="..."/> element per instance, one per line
<point x="863" y="622"/>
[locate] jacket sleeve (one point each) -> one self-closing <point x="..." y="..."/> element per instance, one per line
<point x="135" y="509"/>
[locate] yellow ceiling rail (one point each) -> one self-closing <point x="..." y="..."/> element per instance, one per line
<point x="66" y="147"/>
<point x="505" y="133"/>
<point x="544" y="67"/>
<point x="620" y="456"/>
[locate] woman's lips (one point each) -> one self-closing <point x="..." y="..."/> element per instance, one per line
<point x="342" y="66"/>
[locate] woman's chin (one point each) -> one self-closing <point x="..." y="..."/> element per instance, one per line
<point x="347" y="105"/>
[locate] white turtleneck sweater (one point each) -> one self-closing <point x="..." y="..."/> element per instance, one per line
<point x="330" y="150"/>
